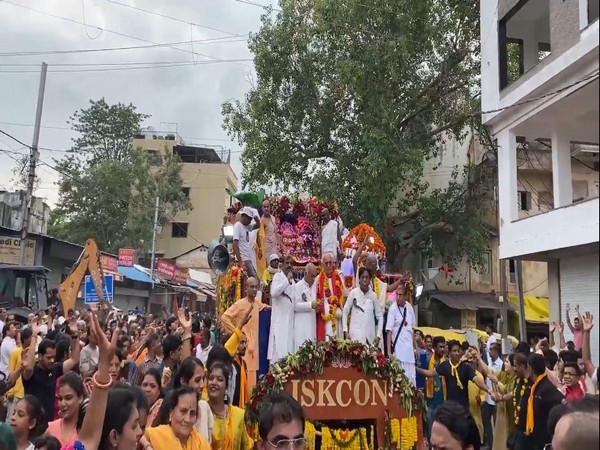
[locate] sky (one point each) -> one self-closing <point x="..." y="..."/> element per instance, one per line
<point x="208" y="64"/>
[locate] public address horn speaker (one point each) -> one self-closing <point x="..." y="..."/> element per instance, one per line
<point x="218" y="258"/>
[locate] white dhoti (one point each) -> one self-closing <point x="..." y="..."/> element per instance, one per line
<point x="410" y="370"/>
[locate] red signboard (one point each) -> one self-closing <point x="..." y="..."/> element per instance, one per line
<point x="165" y="269"/>
<point x="126" y="257"/>
<point x="109" y="263"/>
<point x="181" y="275"/>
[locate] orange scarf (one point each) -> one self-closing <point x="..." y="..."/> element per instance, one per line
<point x="244" y="394"/>
<point x="529" y="423"/>
<point x="429" y="382"/>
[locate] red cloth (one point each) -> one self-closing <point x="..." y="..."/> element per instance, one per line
<point x="323" y="294"/>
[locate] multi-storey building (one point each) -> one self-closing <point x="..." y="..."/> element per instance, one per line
<point x="206" y="175"/>
<point x="540" y="63"/>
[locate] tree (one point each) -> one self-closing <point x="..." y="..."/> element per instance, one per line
<point x="107" y="188"/>
<point x="352" y="97"/>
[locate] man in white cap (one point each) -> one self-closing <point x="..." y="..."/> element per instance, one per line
<point x="242" y="248"/>
<point x="267" y="277"/>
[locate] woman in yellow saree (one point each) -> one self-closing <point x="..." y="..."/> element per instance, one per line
<point x="229" y="432"/>
<point x="178" y="418"/>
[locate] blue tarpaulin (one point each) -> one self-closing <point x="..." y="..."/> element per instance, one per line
<point x="134" y="274"/>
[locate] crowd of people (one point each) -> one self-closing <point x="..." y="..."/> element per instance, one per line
<point x="96" y="381"/>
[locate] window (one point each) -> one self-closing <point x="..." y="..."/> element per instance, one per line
<point x="519" y="50"/>
<point x="486" y="270"/>
<point x="179" y="229"/>
<point x="153" y="157"/>
<point x="593" y="10"/>
<point x="186" y="192"/>
<point x="524" y="200"/>
<point x="512" y="271"/>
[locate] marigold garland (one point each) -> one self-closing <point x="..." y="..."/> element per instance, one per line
<point x="520" y="388"/>
<point x="357" y="236"/>
<point x="230" y="287"/>
<point x="334" y="298"/>
<point x="356" y="439"/>
<point x="404" y="433"/>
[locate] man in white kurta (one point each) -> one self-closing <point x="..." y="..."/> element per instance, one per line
<point x="305" y="307"/>
<point x="281" y="335"/>
<point x="402" y="312"/>
<point x="332" y="276"/>
<point x="330" y="234"/>
<point x="366" y="324"/>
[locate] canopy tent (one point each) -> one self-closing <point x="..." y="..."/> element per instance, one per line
<point x="537" y="309"/>
<point x="457" y="335"/>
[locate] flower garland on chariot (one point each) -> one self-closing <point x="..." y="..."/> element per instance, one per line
<point x="335" y="299"/>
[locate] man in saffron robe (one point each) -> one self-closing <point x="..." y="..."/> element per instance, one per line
<point x="233" y="315"/>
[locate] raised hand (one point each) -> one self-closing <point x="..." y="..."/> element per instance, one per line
<point x="106" y="349"/>
<point x="568" y="307"/>
<point x="561" y="327"/>
<point x="185" y="323"/>
<point x="553" y="326"/>
<point x="588" y="321"/>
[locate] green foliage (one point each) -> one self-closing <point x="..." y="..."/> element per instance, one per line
<point x="352" y="97"/>
<point x="108" y="189"/>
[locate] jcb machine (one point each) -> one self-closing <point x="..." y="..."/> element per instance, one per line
<point x="88" y="262"/>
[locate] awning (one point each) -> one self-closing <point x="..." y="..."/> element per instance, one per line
<point x="133" y="273"/>
<point x="198" y="276"/>
<point x="468" y="300"/>
<point x="537" y="309"/>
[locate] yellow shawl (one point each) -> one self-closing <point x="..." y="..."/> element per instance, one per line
<point x="162" y="437"/>
<point x="429" y="382"/>
<point x="244" y="391"/>
<point x="230" y="433"/>
<point x="530" y="418"/>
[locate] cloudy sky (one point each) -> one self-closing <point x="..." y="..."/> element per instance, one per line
<point x="206" y="63"/>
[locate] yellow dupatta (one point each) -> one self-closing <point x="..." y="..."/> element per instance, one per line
<point x="244" y="394"/>
<point x="162" y="437"/>
<point x="229" y="433"/>
<point x="261" y="263"/>
<point x="429" y="383"/>
<point x="530" y="417"/>
<point x="454" y="372"/>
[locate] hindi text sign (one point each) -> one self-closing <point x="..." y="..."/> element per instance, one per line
<point x="10" y="250"/>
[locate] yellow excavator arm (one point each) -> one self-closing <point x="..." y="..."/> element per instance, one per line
<point x="89" y="261"/>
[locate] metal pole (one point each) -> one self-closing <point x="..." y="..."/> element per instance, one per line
<point x="519" y="280"/>
<point x="506" y="345"/>
<point x="155" y="226"/>
<point x="33" y="158"/>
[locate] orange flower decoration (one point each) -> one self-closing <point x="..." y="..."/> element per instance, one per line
<point x="359" y="233"/>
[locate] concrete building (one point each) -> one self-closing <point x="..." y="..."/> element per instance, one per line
<point x="11" y="212"/>
<point x="539" y="78"/>
<point x="462" y="296"/>
<point x="206" y="175"/>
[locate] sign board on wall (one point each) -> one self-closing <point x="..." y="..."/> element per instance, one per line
<point x="126" y="257"/>
<point x="10" y="250"/>
<point x="165" y="269"/>
<point x="90" y="294"/>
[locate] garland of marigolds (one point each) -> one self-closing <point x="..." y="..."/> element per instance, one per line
<point x="520" y="388"/>
<point x="408" y="438"/>
<point x="332" y="439"/>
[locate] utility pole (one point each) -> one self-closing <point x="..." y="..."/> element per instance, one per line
<point x="504" y="308"/>
<point x="155" y="226"/>
<point x="519" y="280"/>
<point x="34" y="154"/>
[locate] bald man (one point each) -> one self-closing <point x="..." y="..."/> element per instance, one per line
<point x="305" y="308"/>
<point x="232" y="316"/>
<point x="578" y="430"/>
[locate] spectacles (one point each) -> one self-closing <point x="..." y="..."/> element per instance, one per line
<point x="286" y="444"/>
<point x="548" y="446"/>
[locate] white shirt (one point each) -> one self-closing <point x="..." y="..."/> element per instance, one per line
<point x="281" y="335"/>
<point x="365" y="311"/>
<point x="305" y="318"/>
<point x="329" y="238"/>
<point x="241" y="234"/>
<point x="88" y="359"/>
<point x="202" y="353"/>
<point x="404" y="349"/>
<point x="8" y="344"/>
<point x="496" y="366"/>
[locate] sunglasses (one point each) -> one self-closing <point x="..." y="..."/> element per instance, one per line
<point x="287" y="444"/>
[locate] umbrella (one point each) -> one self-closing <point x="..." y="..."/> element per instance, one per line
<point x="254" y="199"/>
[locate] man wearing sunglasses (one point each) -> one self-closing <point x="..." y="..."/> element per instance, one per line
<point x="281" y="424"/>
